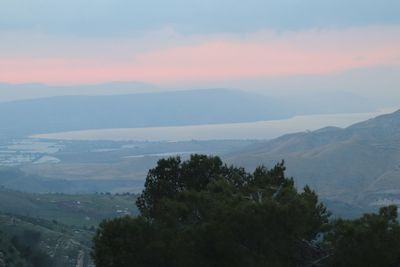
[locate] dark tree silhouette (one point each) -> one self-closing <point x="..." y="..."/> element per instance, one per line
<point x="201" y="212"/>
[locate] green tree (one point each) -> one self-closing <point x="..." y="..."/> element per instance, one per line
<point x="201" y="212"/>
<point x="372" y="240"/>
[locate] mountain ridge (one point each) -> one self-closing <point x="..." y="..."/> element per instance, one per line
<point x="359" y="164"/>
<point x="172" y="108"/>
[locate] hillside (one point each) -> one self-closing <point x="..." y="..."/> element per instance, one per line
<point x="358" y="165"/>
<point x="69" y="113"/>
<point x="83" y="210"/>
<point x="9" y="255"/>
<point x="27" y="241"/>
<point x="54" y="229"/>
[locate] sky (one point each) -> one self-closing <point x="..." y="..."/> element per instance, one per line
<point x="252" y="44"/>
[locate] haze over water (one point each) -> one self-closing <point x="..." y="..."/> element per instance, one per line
<point x="251" y="130"/>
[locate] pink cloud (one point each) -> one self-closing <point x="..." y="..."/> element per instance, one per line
<point x="215" y="58"/>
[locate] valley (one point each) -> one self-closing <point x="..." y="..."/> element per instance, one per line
<point x="355" y="166"/>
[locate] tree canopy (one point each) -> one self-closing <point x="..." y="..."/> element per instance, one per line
<point x="372" y="240"/>
<point x="204" y="213"/>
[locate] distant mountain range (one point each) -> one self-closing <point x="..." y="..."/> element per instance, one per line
<point x="69" y="113"/>
<point x="358" y="165"/>
<point x="13" y="92"/>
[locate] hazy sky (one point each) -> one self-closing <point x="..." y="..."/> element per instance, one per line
<point x="189" y="43"/>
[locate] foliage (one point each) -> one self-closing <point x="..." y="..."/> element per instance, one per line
<point x="9" y="255"/>
<point x="28" y="245"/>
<point x="201" y="212"/>
<point x="30" y="242"/>
<point x="23" y="251"/>
<point x="372" y="240"/>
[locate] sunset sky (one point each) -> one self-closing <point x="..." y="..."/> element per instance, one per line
<point x="177" y="42"/>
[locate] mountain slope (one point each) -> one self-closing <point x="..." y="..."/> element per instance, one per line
<point x="359" y="164"/>
<point x="27" y="241"/>
<point x="54" y="229"/>
<point x="137" y="110"/>
<point x="69" y="113"/>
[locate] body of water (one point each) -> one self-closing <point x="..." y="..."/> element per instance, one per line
<point x="250" y="130"/>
